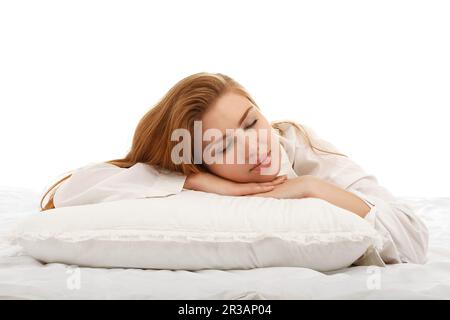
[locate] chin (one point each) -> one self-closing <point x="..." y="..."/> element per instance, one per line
<point x="269" y="176"/>
<point x="266" y="177"/>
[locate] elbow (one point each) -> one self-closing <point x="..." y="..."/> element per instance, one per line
<point x="418" y="238"/>
<point x="408" y="233"/>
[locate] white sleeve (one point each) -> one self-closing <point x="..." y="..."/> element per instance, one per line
<point x="405" y="235"/>
<point x="102" y="182"/>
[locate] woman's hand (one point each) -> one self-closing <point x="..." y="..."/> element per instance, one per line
<point x="208" y="182"/>
<point x="296" y="188"/>
<point x="308" y="186"/>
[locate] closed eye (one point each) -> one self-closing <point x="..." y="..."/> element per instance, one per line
<point x="245" y="128"/>
<point x="252" y="124"/>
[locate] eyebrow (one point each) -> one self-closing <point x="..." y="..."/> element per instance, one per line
<point x="245" y="115"/>
<point x="240" y="122"/>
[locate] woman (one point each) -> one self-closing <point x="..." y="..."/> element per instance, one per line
<point x="282" y="160"/>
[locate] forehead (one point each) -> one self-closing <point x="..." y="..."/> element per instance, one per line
<point x="226" y="112"/>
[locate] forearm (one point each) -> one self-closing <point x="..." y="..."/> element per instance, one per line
<point x="336" y="195"/>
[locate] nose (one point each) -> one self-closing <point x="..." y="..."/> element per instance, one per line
<point x="257" y="149"/>
<point x="252" y="146"/>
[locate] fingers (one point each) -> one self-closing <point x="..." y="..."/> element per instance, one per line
<point x="280" y="179"/>
<point x="276" y="181"/>
<point x="262" y="187"/>
<point x="253" y="188"/>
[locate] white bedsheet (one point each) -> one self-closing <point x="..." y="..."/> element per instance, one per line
<point x="22" y="277"/>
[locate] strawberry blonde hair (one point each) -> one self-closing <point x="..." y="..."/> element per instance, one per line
<point x="183" y="104"/>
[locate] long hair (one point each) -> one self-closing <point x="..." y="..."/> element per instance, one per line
<point x="183" y="104"/>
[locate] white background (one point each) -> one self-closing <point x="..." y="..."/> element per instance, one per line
<point x="372" y="77"/>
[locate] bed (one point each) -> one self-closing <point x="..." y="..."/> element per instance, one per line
<point x="22" y="277"/>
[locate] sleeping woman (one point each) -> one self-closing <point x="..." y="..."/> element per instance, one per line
<point x="208" y="134"/>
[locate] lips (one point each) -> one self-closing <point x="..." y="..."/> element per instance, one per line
<point x="265" y="162"/>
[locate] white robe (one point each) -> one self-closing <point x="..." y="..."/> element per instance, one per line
<point x="405" y="235"/>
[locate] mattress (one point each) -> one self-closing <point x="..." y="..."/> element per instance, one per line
<point x="22" y="277"/>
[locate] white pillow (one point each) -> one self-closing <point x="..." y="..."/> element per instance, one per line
<point x="195" y="230"/>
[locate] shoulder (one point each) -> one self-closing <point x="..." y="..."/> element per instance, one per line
<point x="95" y="173"/>
<point x="105" y="170"/>
<point x="96" y="167"/>
<point x="89" y="174"/>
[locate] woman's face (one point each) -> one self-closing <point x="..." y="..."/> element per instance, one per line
<point x="250" y="151"/>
